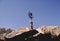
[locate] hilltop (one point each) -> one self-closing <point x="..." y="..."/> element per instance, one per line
<point x="9" y="33"/>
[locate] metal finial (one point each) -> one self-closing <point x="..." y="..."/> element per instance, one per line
<point x="30" y="15"/>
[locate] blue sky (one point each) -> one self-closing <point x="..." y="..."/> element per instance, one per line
<point x="14" y="13"/>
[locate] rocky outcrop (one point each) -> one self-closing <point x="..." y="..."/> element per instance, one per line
<point x="23" y="36"/>
<point x="18" y="31"/>
<point x="4" y="32"/>
<point x="54" y="30"/>
<point x="43" y="33"/>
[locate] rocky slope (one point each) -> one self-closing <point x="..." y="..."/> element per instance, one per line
<point x="18" y="31"/>
<point x="4" y="32"/>
<point x="8" y="33"/>
<point x="54" y="30"/>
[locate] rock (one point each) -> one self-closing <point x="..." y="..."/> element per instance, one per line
<point x="4" y="32"/>
<point x="54" y="30"/>
<point x="17" y="32"/>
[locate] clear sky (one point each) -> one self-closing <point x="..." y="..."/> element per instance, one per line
<point x="14" y="13"/>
